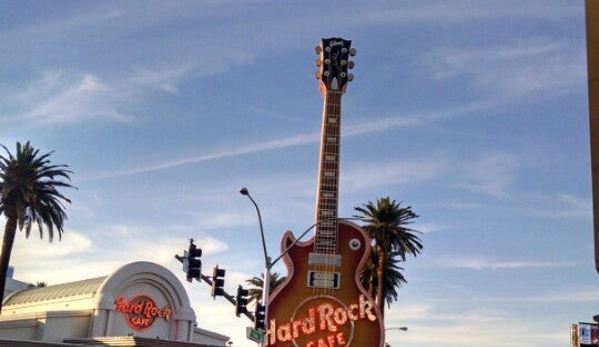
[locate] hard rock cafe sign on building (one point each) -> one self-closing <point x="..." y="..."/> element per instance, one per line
<point x="140" y="304"/>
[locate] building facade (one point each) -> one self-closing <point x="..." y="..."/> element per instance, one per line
<point x="140" y="304"/>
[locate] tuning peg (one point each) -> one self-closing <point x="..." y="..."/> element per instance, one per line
<point x="350" y="77"/>
<point x="318" y="75"/>
<point x="352" y="52"/>
<point x="327" y="61"/>
<point x="318" y="62"/>
<point x="351" y="64"/>
<point x="318" y="49"/>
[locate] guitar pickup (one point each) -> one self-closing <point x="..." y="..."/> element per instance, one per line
<point x="324" y="280"/>
<point x="324" y="259"/>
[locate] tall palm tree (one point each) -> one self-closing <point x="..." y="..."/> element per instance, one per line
<point x="386" y="225"/>
<point x="257" y="284"/>
<point x="392" y="277"/>
<point x="29" y="195"/>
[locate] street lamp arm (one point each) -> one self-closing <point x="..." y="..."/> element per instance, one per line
<point x="397" y="328"/>
<point x="244" y="191"/>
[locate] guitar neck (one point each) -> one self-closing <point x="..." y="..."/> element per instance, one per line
<point x="328" y="175"/>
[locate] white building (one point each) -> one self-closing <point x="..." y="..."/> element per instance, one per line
<point x="140" y="304"/>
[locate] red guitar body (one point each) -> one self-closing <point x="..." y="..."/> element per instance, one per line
<point x="322" y="303"/>
<point x="324" y="317"/>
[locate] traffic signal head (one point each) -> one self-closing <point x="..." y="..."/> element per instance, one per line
<point x="218" y="281"/>
<point x="241" y="301"/>
<point x="260" y="317"/>
<point x="194" y="264"/>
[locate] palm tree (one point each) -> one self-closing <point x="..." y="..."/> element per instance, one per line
<point x="393" y="278"/>
<point x="386" y="225"/>
<point x="257" y="283"/>
<point x="29" y="195"/>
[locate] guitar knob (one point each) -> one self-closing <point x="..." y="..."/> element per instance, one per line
<point x="318" y="49"/>
<point x="318" y="62"/>
<point x="352" y="52"/>
<point x="351" y="64"/>
<point x="318" y="75"/>
<point x="350" y="77"/>
<point x="355" y="244"/>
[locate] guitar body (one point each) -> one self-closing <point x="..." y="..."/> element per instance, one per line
<point x="306" y="316"/>
<point x="322" y="303"/>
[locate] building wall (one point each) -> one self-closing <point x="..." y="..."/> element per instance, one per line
<point x="141" y="299"/>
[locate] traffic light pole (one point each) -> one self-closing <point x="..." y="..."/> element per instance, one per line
<point x="227" y="296"/>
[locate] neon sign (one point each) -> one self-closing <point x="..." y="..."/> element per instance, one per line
<point x="141" y="311"/>
<point x="322" y="322"/>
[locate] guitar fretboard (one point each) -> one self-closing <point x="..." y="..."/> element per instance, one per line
<point x="328" y="175"/>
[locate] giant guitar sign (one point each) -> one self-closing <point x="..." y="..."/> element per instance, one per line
<point x="322" y="303"/>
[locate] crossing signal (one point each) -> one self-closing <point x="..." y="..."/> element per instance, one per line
<point x="194" y="264"/>
<point x="260" y="317"/>
<point x="241" y="301"/>
<point x="218" y="281"/>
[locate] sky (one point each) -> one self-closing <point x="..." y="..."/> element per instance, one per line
<point x="474" y="113"/>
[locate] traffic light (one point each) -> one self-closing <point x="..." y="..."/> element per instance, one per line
<point x="194" y="264"/>
<point x="241" y="301"/>
<point x="218" y="281"/>
<point x="259" y="317"/>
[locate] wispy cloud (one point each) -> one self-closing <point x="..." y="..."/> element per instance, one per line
<point x="481" y="263"/>
<point x="355" y="129"/>
<point x="59" y="97"/>
<point x="512" y="70"/>
<point x="490" y="173"/>
<point x="435" y="12"/>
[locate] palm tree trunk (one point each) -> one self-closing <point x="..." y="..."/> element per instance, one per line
<point x="380" y="293"/>
<point x="10" y="230"/>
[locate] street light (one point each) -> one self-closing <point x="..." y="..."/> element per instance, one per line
<point x="267" y="263"/>
<point x="397" y="328"/>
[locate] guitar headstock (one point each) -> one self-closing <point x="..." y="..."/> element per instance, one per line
<point x="334" y="64"/>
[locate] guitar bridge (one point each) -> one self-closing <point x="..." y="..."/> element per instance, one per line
<point x="324" y="259"/>
<point x="324" y="280"/>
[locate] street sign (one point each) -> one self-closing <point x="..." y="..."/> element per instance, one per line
<point x="254" y="335"/>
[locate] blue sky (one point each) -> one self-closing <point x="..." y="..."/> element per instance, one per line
<point x="472" y="112"/>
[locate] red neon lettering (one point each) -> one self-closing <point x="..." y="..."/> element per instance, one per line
<point x="331" y="340"/>
<point x="340" y="316"/>
<point x="284" y="333"/>
<point x="350" y="312"/>
<point x="325" y="312"/>
<point x="141" y="311"/>
<point x="366" y="307"/>
<point x="326" y="317"/>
